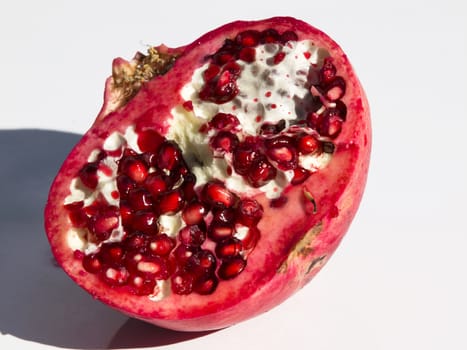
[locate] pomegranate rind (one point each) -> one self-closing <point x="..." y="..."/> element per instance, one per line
<point x="289" y="253"/>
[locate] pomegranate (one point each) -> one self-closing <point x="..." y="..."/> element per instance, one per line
<point x="217" y="179"/>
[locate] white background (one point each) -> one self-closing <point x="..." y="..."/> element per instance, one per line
<point x="398" y="280"/>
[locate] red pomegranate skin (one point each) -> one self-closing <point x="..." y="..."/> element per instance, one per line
<point x="297" y="238"/>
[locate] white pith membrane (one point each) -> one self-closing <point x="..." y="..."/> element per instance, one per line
<point x="268" y="93"/>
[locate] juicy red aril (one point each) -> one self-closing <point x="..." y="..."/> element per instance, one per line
<point x="112" y="253"/>
<point x="141" y="285"/>
<point x="219" y="231"/>
<point x="224" y="141"/>
<point x="169" y="156"/>
<point x="182" y="283"/>
<point x="217" y="195"/>
<point x="248" y="38"/>
<point x="193" y="213"/>
<point x="140" y="199"/>
<point x="307" y="144"/>
<point x="183" y="252"/>
<point x="330" y="126"/>
<point x="88" y="175"/>
<point x="161" y="244"/>
<point x="154" y="267"/>
<point x="156" y="184"/>
<point x="334" y="89"/>
<point x="136" y="242"/>
<point x="211" y="72"/>
<point x="231" y="268"/>
<point x="149" y="140"/>
<point x="284" y="156"/>
<point x="134" y="167"/>
<point x="327" y="71"/>
<point x="206" y="285"/>
<point x="201" y="263"/>
<point x="228" y="248"/>
<point x="261" y="172"/>
<point x="223" y="215"/>
<point x="145" y="221"/>
<point x="247" y="54"/>
<point x="124" y="185"/>
<point x="300" y="175"/>
<point x="76" y="214"/>
<point x="278" y="58"/>
<point x="192" y="235"/>
<point x="115" y="276"/>
<point x="243" y="158"/>
<point x="224" y="121"/>
<point x="249" y="212"/>
<point x="171" y="202"/>
<point x="92" y="263"/>
<point x="250" y="238"/>
<point x="103" y="223"/>
<point x="288" y="36"/>
<point x="269" y="36"/>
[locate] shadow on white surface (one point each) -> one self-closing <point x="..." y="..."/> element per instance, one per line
<point x="38" y="302"/>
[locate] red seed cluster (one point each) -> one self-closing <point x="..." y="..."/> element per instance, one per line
<point x="158" y="182"/>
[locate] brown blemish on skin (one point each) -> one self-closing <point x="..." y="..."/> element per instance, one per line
<point x="303" y="248"/>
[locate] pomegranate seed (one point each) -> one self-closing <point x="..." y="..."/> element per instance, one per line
<point x="153" y="267"/>
<point x="249" y="212"/>
<point x="206" y="285"/>
<point x="156" y="184"/>
<point x="269" y="36"/>
<point x="288" y="36"/>
<point x="331" y="126"/>
<point x="77" y="216"/>
<point x="149" y="140"/>
<point x="161" y="244"/>
<point x="188" y="187"/>
<point x="250" y="238"/>
<point x="188" y="105"/>
<point x="169" y="156"/>
<point x="243" y="158"/>
<point x="170" y="203"/>
<point x="261" y="172"/>
<point x="141" y="285"/>
<point x="88" y="175"/>
<point x="224" y="121"/>
<point x="126" y="213"/>
<point x="223" y="215"/>
<point x="115" y="277"/>
<point x="182" y="283"/>
<point x="307" y="144"/>
<point x="103" y="224"/>
<point x="112" y="253"/>
<point x="222" y="57"/>
<point x="217" y="195"/>
<point x="279" y="57"/>
<point x="145" y="221"/>
<point x="224" y="142"/>
<point x="193" y="213"/>
<point x="248" y="38"/>
<point x="247" y="54"/>
<point x="284" y="156"/>
<point x="201" y="263"/>
<point x="92" y="263"/>
<point x="218" y="231"/>
<point x="183" y="252"/>
<point x="231" y="268"/>
<point x="334" y="89"/>
<point x="192" y="235"/>
<point x="327" y="71"/>
<point x="228" y="248"/>
<point x="300" y="175"/>
<point x="134" y="167"/>
<point x="211" y="72"/>
<point x="139" y="199"/>
<point x="136" y="242"/>
<point x="125" y="185"/>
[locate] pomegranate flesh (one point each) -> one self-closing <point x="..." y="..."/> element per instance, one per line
<point x="217" y="179"/>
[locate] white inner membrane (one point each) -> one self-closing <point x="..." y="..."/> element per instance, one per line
<point x="268" y="93"/>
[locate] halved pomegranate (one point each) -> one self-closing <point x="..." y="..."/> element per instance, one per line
<point x="218" y="177"/>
